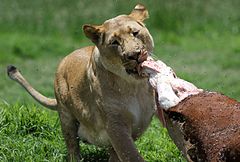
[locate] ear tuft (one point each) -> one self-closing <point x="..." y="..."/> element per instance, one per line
<point x="139" y="13"/>
<point x="139" y="7"/>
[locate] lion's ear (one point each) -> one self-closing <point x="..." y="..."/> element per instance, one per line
<point x="139" y="13"/>
<point x="93" y="32"/>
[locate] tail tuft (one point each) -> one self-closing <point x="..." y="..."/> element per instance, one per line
<point x="11" y="69"/>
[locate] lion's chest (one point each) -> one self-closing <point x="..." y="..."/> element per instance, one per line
<point x="137" y="112"/>
<point x="141" y="108"/>
<point x="136" y="107"/>
<point x="108" y="94"/>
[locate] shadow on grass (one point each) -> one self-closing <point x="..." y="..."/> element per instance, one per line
<point x="92" y="153"/>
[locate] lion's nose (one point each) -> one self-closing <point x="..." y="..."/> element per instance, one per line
<point x="133" y="55"/>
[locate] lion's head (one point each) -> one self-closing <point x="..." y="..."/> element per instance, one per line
<point x="124" y="41"/>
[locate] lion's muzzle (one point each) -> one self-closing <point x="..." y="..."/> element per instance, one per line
<point x="132" y="60"/>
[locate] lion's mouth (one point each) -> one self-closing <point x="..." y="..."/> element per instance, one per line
<point x="133" y="64"/>
<point x="132" y="71"/>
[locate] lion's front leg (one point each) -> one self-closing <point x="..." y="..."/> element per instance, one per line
<point x="121" y="139"/>
<point x="113" y="156"/>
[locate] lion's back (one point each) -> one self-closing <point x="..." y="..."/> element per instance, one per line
<point x="73" y="66"/>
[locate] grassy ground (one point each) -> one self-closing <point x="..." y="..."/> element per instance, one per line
<point x="38" y="34"/>
<point x="210" y="61"/>
<point x="30" y="134"/>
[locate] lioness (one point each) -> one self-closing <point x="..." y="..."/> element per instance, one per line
<point x="99" y="95"/>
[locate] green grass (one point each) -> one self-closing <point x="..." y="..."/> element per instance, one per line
<point x="199" y="39"/>
<point x="211" y="61"/>
<point x="61" y="17"/>
<point x="26" y="135"/>
<point x="31" y="133"/>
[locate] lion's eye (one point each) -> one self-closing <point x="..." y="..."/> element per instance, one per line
<point x="135" y="33"/>
<point x="115" y="43"/>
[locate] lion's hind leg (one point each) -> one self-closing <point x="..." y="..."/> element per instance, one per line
<point x="70" y="126"/>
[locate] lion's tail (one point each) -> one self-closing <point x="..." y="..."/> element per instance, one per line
<point x="14" y="74"/>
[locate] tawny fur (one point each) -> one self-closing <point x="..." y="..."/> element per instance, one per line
<point x="98" y="96"/>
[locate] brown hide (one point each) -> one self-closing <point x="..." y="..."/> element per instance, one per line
<point x="206" y="127"/>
